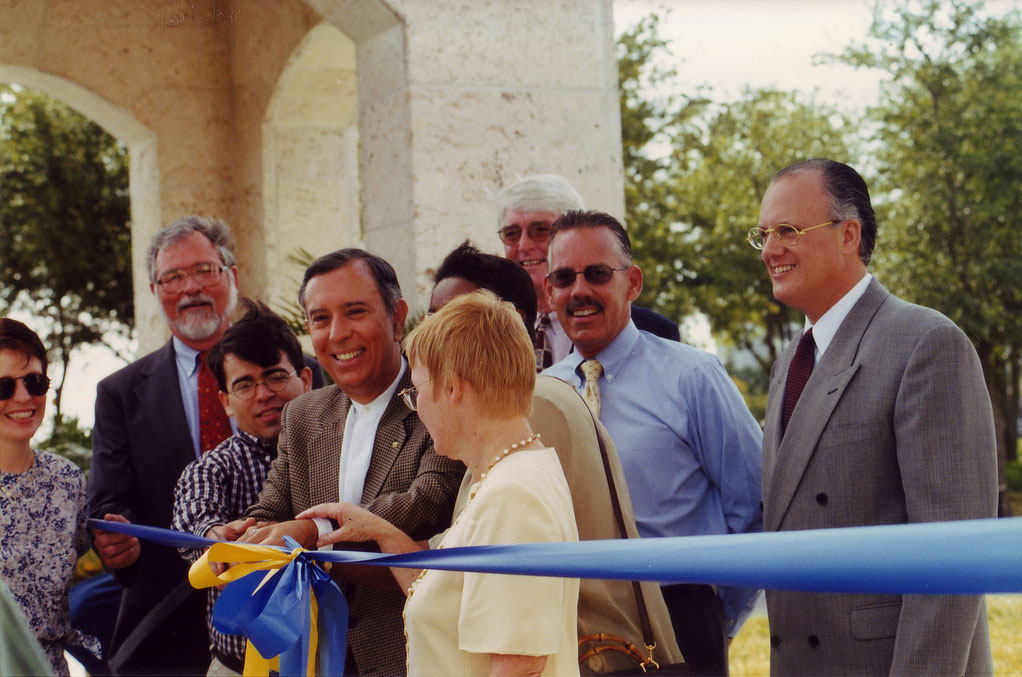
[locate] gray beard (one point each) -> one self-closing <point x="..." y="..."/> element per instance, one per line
<point x="200" y="324"/>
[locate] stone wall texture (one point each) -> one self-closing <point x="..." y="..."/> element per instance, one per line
<point x="322" y="124"/>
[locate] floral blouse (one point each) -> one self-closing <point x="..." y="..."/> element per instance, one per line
<point x="42" y="534"/>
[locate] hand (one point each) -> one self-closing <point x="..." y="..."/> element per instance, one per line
<point x="302" y="530"/>
<point x="225" y="533"/>
<point x="115" y="550"/>
<point x="231" y="531"/>
<point x="356" y="524"/>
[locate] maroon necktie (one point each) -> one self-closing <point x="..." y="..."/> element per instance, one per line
<point x="214" y="426"/>
<point x="544" y="351"/>
<point x="799" y="371"/>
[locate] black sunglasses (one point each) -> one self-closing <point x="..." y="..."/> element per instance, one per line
<point x="35" y="384"/>
<point x="597" y="273"/>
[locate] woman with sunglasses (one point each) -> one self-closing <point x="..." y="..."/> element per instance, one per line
<point x="42" y="500"/>
<point x="473" y="372"/>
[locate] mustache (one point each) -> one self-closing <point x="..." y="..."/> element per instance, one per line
<point x="578" y="302"/>
<point x="195" y="299"/>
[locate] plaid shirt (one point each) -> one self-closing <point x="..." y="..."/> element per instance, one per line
<point x="217" y="489"/>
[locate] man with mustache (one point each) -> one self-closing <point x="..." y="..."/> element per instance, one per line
<point x="154" y="417"/>
<point x="525" y="211"/>
<point x="259" y="368"/>
<point x="688" y="444"/>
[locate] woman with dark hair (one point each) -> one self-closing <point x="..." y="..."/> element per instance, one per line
<point x="42" y="500"/>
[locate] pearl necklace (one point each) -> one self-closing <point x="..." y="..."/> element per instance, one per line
<point x="502" y="455"/>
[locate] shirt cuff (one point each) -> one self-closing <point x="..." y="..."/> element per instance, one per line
<point x="324" y="526"/>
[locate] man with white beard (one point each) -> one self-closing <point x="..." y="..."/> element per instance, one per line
<point x="153" y="417"/>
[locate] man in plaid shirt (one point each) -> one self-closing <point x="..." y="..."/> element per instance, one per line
<point x="259" y="367"/>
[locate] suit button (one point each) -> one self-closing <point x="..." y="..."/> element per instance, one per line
<point x="821" y="499"/>
<point x="814" y="641"/>
<point x="352" y="621"/>
<point x="775" y="641"/>
<point x="761" y="506"/>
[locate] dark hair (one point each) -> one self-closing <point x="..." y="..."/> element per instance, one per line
<point x="214" y="230"/>
<point x="16" y="336"/>
<point x="578" y="219"/>
<point x="506" y="278"/>
<point x="849" y="197"/>
<point x="258" y="337"/>
<point x="383" y="273"/>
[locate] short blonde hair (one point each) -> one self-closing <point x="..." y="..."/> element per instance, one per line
<point x="483" y="340"/>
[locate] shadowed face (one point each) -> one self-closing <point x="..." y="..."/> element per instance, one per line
<point x="258" y="413"/>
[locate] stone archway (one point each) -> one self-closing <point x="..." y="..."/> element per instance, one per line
<point x="310" y="157"/>
<point x="144" y="173"/>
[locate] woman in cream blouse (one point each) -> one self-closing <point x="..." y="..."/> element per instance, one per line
<point x="473" y="372"/>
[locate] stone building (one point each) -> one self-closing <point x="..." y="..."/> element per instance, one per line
<point x="329" y="123"/>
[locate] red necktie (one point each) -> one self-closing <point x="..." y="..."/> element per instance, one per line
<point x="214" y="425"/>
<point x="799" y="371"/>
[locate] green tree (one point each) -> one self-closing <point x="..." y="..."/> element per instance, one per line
<point x="949" y="163"/>
<point x="691" y="205"/>
<point x="65" y="236"/>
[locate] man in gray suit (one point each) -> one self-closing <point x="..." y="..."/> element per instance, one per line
<point x="878" y="415"/>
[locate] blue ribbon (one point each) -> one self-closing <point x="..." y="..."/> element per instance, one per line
<point x="968" y="557"/>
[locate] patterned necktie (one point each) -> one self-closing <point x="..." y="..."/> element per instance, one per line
<point x="544" y="351"/>
<point x="799" y="371"/>
<point x="592" y="370"/>
<point x="214" y="425"/>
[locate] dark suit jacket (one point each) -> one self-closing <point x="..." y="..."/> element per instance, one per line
<point x="894" y="426"/>
<point x="140" y="445"/>
<point x="407" y="483"/>
<point x="655" y="323"/>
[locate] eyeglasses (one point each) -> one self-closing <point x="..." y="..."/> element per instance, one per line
<point x="597" y="273"/>
<point x="35" y="384"/>
<point x="275" y="382"/>
<point x="206" y="274"/>
<point x="786" y="234"/>
<point x="538" y="232"/>
<point x="411" y="395"/>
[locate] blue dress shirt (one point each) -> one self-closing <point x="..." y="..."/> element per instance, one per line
<point x="690" y="448"/>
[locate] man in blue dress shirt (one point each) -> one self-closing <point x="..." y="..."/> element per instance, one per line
<point x="690" y="448"/>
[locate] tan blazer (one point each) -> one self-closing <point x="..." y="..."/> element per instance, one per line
<point x="562" y="418"/>
<point x="407" y="484"/>
<point x="894" y="426"/>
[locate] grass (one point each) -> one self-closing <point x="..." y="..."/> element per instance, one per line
<point x="750" y="651"/>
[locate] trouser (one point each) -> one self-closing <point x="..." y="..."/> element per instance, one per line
<point x="698" y="618"/>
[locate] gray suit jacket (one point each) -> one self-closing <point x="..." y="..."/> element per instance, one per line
<point x="894" y="426"/>
<point x="407" y="483"/>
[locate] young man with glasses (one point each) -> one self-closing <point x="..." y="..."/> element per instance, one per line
<point x="878" y="414"/>
<point x="259" y="367"/>
<point x="688" y="444"/>
<point x="526" y="211"/>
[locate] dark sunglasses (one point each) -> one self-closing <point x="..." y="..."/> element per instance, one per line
<point x="35" y="384"/>
<point x="597" y="273"/>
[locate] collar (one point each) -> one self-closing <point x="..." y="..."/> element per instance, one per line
<point x="185" y="356"/>
<point x="613" y="357"/>
<point x="256" y="444"/>
<point x="379" y="405"/>
<point x="828" y="324"/>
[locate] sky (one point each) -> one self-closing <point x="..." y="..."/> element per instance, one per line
<point x="727" y="44"/>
